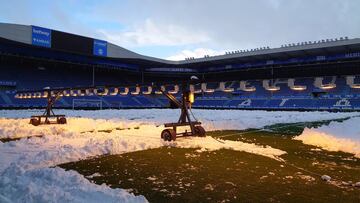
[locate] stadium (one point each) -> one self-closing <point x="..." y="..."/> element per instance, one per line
<point x="258" y="125"/>
<point x="314" y="75"/>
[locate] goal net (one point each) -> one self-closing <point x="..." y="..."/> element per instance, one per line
<point x="87" y="103"/>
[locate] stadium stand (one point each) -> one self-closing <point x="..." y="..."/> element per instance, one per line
<point x="317" y="75"/>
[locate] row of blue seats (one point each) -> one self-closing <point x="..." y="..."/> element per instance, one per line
<point x="201" y="102"/>
<point x="285" y="103"/>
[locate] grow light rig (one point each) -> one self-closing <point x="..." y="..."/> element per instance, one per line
<point x="168" y="134"/>
<point x="48" y="116"/>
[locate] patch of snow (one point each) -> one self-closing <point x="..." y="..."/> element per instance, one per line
<point x="307" y="178"/>
<point x="211" y="144"/>
<point x="316" y="149"/>
<point x="188" y="155"/>
<point x="211" y="119"/>
<point x="209" y="187"/>
<point x="231" y="183"/>
<point x="337" y="136"/>
<point x="325" y="178"/>
<point x="94" y="175"/>
<point x="263" y="177"/>
<point x="187" y="184"/>
<point x="56" y="185"/>
<point x="151" y="178"/>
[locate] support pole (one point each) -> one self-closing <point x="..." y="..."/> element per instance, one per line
<point x="93" y="76"/>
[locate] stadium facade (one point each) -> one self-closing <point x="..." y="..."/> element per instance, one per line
<point x="315" y="75"/>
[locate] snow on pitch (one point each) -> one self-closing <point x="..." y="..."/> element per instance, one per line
<point x="92" y="133"/>
<point x="56" y="185"/>
<point x="337" y="136"/>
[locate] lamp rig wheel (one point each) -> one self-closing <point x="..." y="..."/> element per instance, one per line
<point x="35" y="121"/>
<point x="168" y="135"/>
<point x="61" y="120"/>
<point x="199" y="131"/>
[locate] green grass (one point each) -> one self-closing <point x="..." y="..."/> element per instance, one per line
<point x="184" y="175"/>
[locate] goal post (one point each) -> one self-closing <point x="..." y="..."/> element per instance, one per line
<point x="87" y="103"/>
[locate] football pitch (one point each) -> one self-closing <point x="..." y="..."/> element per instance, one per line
<point x="172" y="174"/>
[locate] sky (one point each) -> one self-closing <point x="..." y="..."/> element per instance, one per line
<point x="176" y="29"/>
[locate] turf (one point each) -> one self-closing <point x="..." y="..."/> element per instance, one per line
<point x="186" y="175"/>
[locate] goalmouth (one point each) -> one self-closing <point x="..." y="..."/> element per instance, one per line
<point x="87" y="104"/>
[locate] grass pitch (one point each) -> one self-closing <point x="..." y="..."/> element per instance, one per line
<point x="187" y="175"/>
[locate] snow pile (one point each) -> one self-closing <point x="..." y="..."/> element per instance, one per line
<point x="337" y="136"/>
<point x="121" y="131"/>
<point x="17" y="128"/>
<point x="56" y="185"/>
<point x="51" y="150"/>
<point x="25" y="176"/>
<point x="240" y="120"/>
<point x="15" y="122"/>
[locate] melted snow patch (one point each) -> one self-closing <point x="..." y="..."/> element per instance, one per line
<point x="94" y="175"/>
<point x="212" y="144"/>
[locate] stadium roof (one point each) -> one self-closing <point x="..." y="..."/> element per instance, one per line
<point x="23" y="34"/>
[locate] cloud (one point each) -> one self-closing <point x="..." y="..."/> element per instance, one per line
<point x="196" y="53"/>
<point x="275" y="3"/>
<point x="244" y="24"/>
<point x="188" y="24"/>
<point x="150" y="33"/>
